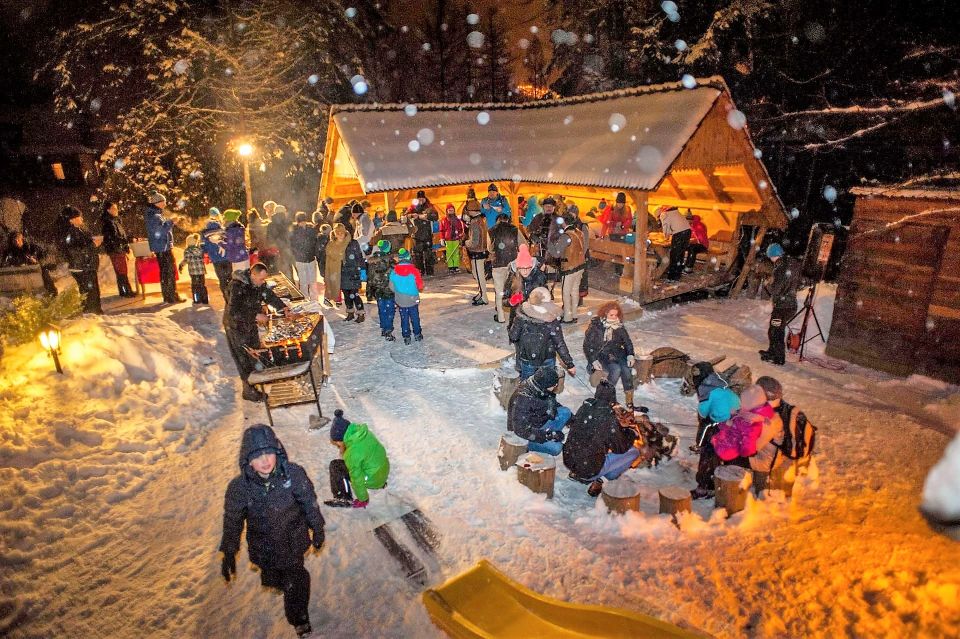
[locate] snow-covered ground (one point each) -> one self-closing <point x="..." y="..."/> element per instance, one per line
<point x="112" y="480"/>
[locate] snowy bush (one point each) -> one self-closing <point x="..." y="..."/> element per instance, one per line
<point x="28" y="314"/>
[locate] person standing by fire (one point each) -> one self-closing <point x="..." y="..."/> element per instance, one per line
<point x="246" y="296"/>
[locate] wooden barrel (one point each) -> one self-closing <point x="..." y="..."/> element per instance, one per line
<point x="504" y="384"/>
<point x="621" y="495"/>
<point x="537" y="472"/>
<point x="642" y="365"/>
<point x="675" y="499"/>
<point x="728" y="494"/>
<point x="511" y="447"/>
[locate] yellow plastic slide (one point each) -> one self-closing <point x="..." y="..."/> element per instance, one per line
<point x="483" y="602"/>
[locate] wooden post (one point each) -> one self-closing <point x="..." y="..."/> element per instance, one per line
<point x="729" y="494"/>
<point x="641" y="280"/>
<point x="511" y="447"/>
<point x="504" y="384"/>
<point x="782" y="479"/>
<point x="537" y="472"/>
<point x="748" y="263"/>
<point x="513" y="190"/>
<point x="675" y="499"/>
<point x="621" y="495"/>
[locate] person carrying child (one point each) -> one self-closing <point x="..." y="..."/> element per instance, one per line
<point x="193" y="260"/>
<point x="362" y="466"/>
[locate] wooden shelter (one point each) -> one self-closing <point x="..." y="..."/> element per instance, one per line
<point x="660" y="144"/>
<point x="898" y="299"/>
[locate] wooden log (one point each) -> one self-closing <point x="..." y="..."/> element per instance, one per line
<point x="621" y="495"/>
<point x="511" y="447"/>
<point x="537" y="472"/>
<point x="504" y="384"/>
<point x="748" y="263"/>
<point x="643" y="365"/>
<point x="675" y="499"/>
<point x="729" y="494"/>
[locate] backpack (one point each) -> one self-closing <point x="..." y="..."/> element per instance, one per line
<point x="799" y="435"/>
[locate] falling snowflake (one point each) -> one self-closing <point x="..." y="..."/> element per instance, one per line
<point x="473" y="19"/>
<point x="534" y="29"/>
<point x="351" y="13"/>
<point x="475" y="39"/>
<point x="413" y="145"/>
<point x="95" y="105"/>
<point x="949" y="99"/>
<point x="588" y="38"/>
<point x="410" y="110"/>
<point x="680" y="45"/>
<point x="483" y="118"/>
<point x="524" y="43"/>
<point x="181" y="67"/>
<point x="830" y="193"/>
<point x="688" y="81"/>
<point x="474" y="158"/>
<point x="617" y="122"/>
<point x="425" y="136"/>
<point x="119" y="163"/>
<point x="736" y="119"/>
<point x="757" y="153"/>
<point x="762" y="184"/>
<point x="648" y="159"/>
<point x="794" y="212"/>
<point x="567" y="120"/>
<point x="313" y="79"/>
<point x="425" y="46"/>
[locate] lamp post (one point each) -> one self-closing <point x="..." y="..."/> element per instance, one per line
<point x="50" y="340"/>
<point x="245" y="150"/>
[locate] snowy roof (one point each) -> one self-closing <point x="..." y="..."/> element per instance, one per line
<point x="915" y="194"/>
<point x="624" y="139"/>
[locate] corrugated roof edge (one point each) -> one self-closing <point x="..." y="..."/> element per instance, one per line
<point x="712" y="82"/>
<point x="916" y="194"/>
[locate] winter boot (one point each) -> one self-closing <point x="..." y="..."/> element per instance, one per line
<point x="349" y="317"/>
<point x="303" y="630"/>
<point x="595" y="488"/>
<point x="628" y="395"/>
<point x="406" y="340"/>
<point x="418" y="337"/>
<point x="339" y="503"/>
<point x="383" y="333"/>
<point x="360" y="317"/>
<point x="479" y="301"/>
<point x="388" y="335"/>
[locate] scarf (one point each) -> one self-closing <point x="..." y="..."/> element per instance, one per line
<point x="609" y="327"/>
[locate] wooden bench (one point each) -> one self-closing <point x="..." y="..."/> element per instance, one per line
<point x="723" y="246"/>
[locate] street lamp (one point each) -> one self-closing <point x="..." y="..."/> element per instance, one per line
<point x="50" y="340"/>
<point x="245" y="150"/>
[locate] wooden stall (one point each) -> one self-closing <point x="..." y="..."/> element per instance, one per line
<point x="660" y="144"/>
<point x="898" y="298"/>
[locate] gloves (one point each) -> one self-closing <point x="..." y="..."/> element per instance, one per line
<point x="516" y="299"/>
<point x="318" y="538"/>
<point x="360" y="504"/>
<point x="228" y="566"/>
<point x="555" y="436"/>
<point x="630" y="360"/>
<point x="597" y="366"/>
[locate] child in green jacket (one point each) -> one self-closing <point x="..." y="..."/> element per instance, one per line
<point x="364" y="464"/>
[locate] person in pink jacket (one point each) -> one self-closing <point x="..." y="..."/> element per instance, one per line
<point x="700" y="241"/>
<point x="737" y="438"/>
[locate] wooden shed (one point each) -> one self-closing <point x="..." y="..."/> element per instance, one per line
<point x="661" y="144"/>
<point x="898" y="299"/>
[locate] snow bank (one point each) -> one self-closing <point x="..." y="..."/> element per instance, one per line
<point x="941" y="491"/>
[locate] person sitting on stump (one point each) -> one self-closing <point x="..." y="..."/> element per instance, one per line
<point x="364" y="464"/>
<point x="276" y="500"/>
<point x="597" y="448"/>
<point x="608" y="348"/>
<point x="535" y="414"/>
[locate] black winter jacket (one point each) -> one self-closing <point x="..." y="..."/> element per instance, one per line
<point x="529" y="409"/>
<point x="29" y="253"/>
<point x="278" y="510"/>
<point x="303" y="243"/>
<point x="80" y="251"/>
<point x="115" y="238"/>
<point x="616" y="350"/>
<point x="322" y="240"/>
<point x="378" y="277"/>
<point x="422" y="231"/>
<point x="594" y="431"/>
<point x="244" y="301"/>
<point x="504" y="244"/>
<point x="538" y="341"/>
<point x="786" y="278"/>
<point x="350" y="268"/>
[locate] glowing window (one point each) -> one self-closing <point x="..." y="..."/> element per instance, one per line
<point x="58" y="171"/>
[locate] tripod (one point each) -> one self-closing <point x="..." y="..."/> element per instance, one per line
<point x="808" y="312"/>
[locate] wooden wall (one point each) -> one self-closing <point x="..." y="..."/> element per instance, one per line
<point x="898" y="299"/>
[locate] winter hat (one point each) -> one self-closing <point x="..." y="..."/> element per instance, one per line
<point x="492" y="187"/>
<point x="328" y="200"/>
<point x="753" y="396"/>
<point x="155" y="197"/>
<point x="338" y="427"/>
<point x="231" y="215"/>
<point x="573" y="210"/>
<point x="301" y="217"/>
<point x="606" y="393"/>
<point x="471" y="194"/>
<point x="192" y="240"/>
<point x="770" y="386"/>
<point x="701" y="370"/>
<point x="548" y="200"/>
<point x="404" y="255"/>
<point x="720" y="405"/>
<point x="392" y="216"/>
<point x="451" y="209"/>
<point x="546" y="378"/>
<point x="214" y="211"/>
<point x="421" y="195"/>
<point x="384" y="246"/>
<point x="357" y="209"/>
<point x="279" y="208"/>
<point x="524" y="260"/>
<point x="602" y="204"/>
<point x="539" y="306"/>
<point x="774" y="250"/>
<point x="621" y="198"/>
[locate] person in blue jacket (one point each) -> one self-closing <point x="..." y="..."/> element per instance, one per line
<point x="493" y="205"/>
<point x="214" y="247"/>
<point x="160" y="239"/>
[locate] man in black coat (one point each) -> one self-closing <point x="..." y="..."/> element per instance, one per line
<point x="81" y="251"/>
<point x="535" y="414"/>
<point x="597" y="447"/>
<point x="538" y="337"/>
<point x="783" y="294"/>
<point x="505" y="240"/>
<point x="423" y="257"/>
<point x="276" y="499"/>
<point x="246" y="296"/>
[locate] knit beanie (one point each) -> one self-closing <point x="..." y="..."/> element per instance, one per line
<point x="546" y="378"/>
<point x="384" y="246"/>
<point x="451" y="209"/>
<point x="421" y="195"/>
<point x="231" y="215"/>
<point x="192" y="240"/>
<point x="492" y="187"/>
<point x="548" y="200"/>
<point x="214" y="211"/>
<point x="774" y="250"/>
<point x="606" y="393"/>
<point x="720" y="405"/>
<point x="524" y="259"/>
<point x="701" y="370"/>
<point x="338" y="428"/>
<point x="404" y="255"/>
<point x="621" y="198"/>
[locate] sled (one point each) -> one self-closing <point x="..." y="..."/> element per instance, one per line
<point x="416" y="527"/>
<point x="483" y="602"/>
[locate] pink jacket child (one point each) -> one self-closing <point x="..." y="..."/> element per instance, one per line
<point x="737" y="437"/>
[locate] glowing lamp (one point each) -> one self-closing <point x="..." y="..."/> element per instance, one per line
<point x="50" y="340"/>
<point x="245" y="149"/>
